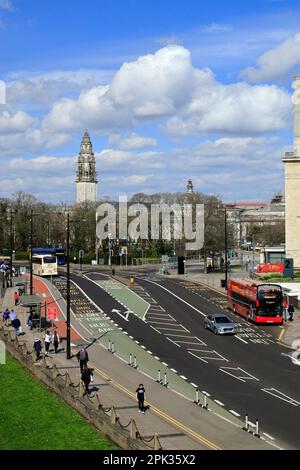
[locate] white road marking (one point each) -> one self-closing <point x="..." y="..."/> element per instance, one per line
<point x="155" y="329"/>
<point x="194" y="385"/>
<point x="137" y="342"/>
<point x="211" y="358"/>
<point x="174" y="370"/>
<point x="169" y="339"/>
<point x="177" y="297"/>
<point x="242" y="374"/>
<point x="238" y="337"/>
<point x="180" y="336"/>
<point x="200" y="341"/>
<point x="157" y="315"/>
<point x="268" y="436"/>
<point x="184" y="328"/>
<point x="205" y="393"/>
<point x="183" y="377"/>
<point x="165" y="364"/>
<point x="187" y="342"/>
<point x="143" y="347"/>
<point x="169" y="329"/>
<point x="161" y="323"/>
<point x="219" y="402"/>
<point x="156" y="357"/>
<point x="192" y="354"/>
<point x="150" y="352"/>
<point x="281" y="396"/>
<point x="234" y="413"/>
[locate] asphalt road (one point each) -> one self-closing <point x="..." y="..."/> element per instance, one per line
<point x="244" y="376"/>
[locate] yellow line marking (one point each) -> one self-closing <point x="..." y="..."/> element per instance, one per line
<point x="161" y="413"/>
<point x="281" y="334"/>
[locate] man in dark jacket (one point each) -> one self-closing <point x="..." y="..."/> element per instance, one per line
<point x="140" y="394"/>
<point x="37" y="346"/>
<point x="17" y="326"/>
<point x="86" y="376"/>
<point x="291" y="311"/>
<point x="83" y="358"/>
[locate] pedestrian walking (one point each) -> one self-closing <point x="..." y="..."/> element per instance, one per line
<point x="83" y="358"/>
<point x="12" y="315"/>
<point x="17" y="326"/>
<point x="87" y="378"/>
<point x="30" y="322"/>
<point x="37" y="346"/>
<point x="55" y="341"/>
<point x="140" y="394"/>
<point x="16" y="297"/>
<point x="291" y="311"/>
<point x="47" y="339"/>
<point x="5" y="316"/>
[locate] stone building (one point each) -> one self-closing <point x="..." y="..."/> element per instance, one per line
<point x="291" y="162"/>
<point x="86" y="176"/>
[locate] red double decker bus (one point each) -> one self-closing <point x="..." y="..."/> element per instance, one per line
<point x="257" y="301"/>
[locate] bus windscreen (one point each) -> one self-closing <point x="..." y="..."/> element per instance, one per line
<point x="269" y="299"/>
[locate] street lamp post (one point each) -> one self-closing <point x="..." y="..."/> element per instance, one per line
<point x="31" y="251"/>
<point x="226" y="245"/>
<point x="11" y="245"/>
<point x="68" y="291"/>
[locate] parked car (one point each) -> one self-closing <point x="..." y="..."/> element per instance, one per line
<point x="220" y="324"/>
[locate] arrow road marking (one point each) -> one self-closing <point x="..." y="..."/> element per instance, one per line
<point x="124" y="315"/>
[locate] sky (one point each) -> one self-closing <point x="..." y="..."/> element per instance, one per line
<point x="168" y="89"/>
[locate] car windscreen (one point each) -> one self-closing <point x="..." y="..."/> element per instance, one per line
<point x="222" y="320"/>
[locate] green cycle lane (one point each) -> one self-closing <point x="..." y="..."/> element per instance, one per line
<point x="129" y="299"/>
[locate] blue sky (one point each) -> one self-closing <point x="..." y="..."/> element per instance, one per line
<point x="168" y="90"/>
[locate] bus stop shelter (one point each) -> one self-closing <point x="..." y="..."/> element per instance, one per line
<point x="33" y="305"/>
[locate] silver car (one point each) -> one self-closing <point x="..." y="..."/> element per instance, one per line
<point x="220" y="324"/>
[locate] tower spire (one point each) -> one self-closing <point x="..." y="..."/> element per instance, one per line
<point x="86" y="176"/>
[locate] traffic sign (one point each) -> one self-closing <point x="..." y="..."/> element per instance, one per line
<point x="52" y="313"/>
<point x="288" y="267"/>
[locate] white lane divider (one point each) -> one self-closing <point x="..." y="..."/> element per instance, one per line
<point x="241" y="339"/>
<point x="268" y="436"/>
<point x="234" y="413"/>
<point x="277" y="394"/>
<point x="238" y="373"/>
<point x="206" y="356"/>
<point x="178" y="345"/>
<point x="219" y="402"/>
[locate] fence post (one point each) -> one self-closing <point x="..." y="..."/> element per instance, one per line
<point x="156" y="445"/>
<point x="197" y="396"/>
<point x="158" y="376"/>
<point x="133" y="430"/>
<point x="165" y="380"/>
<point x="98" y="401"/>
<point x="135" y="364"/>
<point x="113" y="348"/>
<point x="113" y="416"/>
<point x="67" y="381"/>
<point x="109" y="345"/>
<point x="80" y="389"/>
<point x="130" y="359"/>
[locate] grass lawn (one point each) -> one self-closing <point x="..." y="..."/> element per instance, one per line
<point x="32" y="417"/>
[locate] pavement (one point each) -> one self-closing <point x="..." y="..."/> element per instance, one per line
<point x="179" y="423"/>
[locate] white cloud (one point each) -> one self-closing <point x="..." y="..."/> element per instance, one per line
<point x="276" y="63"/>
<point x="6" y="5"/>
<point x="131" y="142"/>
<point x="11" y="122"/>
<point x="216" y="28"/>
<point x="166" y="85"/>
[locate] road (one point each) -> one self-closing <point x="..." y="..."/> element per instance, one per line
<point x="247" y="373"/>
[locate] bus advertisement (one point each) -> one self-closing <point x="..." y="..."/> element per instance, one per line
<point x="58" y="252"/>
<point x="257" y="301"/>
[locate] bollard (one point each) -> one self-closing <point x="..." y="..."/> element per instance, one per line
<point x="197" y="396"/>
<point x="246" y="423"/>
<point x="133" y="430"/>
<point x="130" y="359"/>
<point x="256" y="428"/>
<point x="135" y="364"/>
<point x="205" y="401"/>
<point x="156" y="444"/>
<point x="165" y="380"/>
<point x="113" y="416"/>
<point x="113" y="348"/>
<point x="109" y="345"/>
<point x="158" y="376"/>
